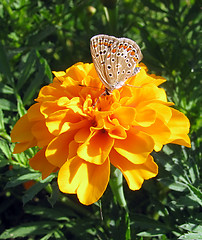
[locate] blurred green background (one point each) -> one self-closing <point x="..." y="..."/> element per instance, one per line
<point x="37" y="37"/>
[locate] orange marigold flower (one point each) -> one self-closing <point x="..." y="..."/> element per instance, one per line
<point x="81" y="132"/>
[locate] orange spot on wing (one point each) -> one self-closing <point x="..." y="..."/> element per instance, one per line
<point x="124" y="47"/>
<point x="108" y="55"/>
<point x="114" y="50"/>
<point x="132" y="53"/>
<point x="129" y="49"/>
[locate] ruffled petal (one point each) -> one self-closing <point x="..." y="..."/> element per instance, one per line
<point x="96" y="148"/>
<point x="34" y="113"/>
<point x="51" y="92"/>
<point x="125" y="115"/>
<point x="159" y="132"/>
<point x="143" y="78"/>
<point x="22" y="134"/>
<point x="179" y="126"/>
<point x="117" y="132"/>
<point x="41" y="133"/>
<point x="39" y="162"/>
<point x="64" y="120"/>
<point x="136" y="147"/>
<point x="58" y="149"/>
<point x="91" y="186"/>
<point x="21" y="147"/>
<point x="145" y="117"/>
<point x="17" y="135"/>
<point x="135" y="174"/>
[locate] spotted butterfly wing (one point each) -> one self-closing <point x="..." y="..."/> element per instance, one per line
<point x="100" y="46"/>
<point x="115" y="59"/>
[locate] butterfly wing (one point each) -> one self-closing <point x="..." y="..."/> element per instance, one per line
<point x="100" y="46"/>
<point x="120" y="64"/>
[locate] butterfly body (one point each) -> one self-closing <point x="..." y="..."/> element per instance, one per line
<point x="115" y="59"/>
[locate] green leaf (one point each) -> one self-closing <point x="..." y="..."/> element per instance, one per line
<point x="152" y="46"/>
<point x="56" y="213"/>
<point x="116" y="184"/>
<point x="5" y="149"/>
<point x="7" y="105"/>
<point x="196" y="193"/>
<point x="192" y="227"/>
<point x="3" y="161"/>
<point x="26" y="69"/>
<point x="20" y="106"/>
<point x="34" y="84"/>
<point x="4" y="64"/>
<point x="6" y="89"/>
<point x="146" y="222"/>
<point x="29" y="229"/>
<point x="46" y="66"/>
<point x="47" y="236"/>
<point x="191" y="236"/>
<point x="21" y="179"/>
<point x="2" y="126"/>
<point x="152" y="6"/>
<point x="36" y="38"/>
<point x="54" y="194"/>
<point x="59" y="235"/>
<point x="36" y="188"/>
<point x="176" y="186"/>
<point x="151" y="233"/>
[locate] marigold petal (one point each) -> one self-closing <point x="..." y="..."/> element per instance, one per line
<point x="143" y="78"/>
<point x="58" y="149"/>
<point x="143" y="96"/>
<point x="49" y="107"/>
<point x="56" y="122"/>
<point x="82" y="135"/>
<point x="150" y="94"/>
<point x="73" y="146"/>
<point x="41" y="133"/>
<point x="66" y="120"/>
<point x="117" y="132"/>
<point x="88" y="180"/>
<point x="78" y="71"/>
<point x="51" y="92"/>
<point x="60" y="121"/>
<point x="34" y="113"/>
<point x="159" y="132"/>
<point x="59" y="74"/>
<point x="96" y="148"/>
<point x="179" y="126"/>
<point x="21" y="147"/>
<point x="125" y="115"/>
<point x="146" y="117"/>
<point x="136" y="147"/>
<point x="17" y="135"/>
<point x="25" y="138"/>
<point x="163" y="112"/>
<point x="135" y="174"/>
<point x="39" y="162"/>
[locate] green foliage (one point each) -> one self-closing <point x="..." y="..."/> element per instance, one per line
<point x="39" y="36"/>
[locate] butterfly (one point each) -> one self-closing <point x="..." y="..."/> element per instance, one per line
<point x="115" y="60"/>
